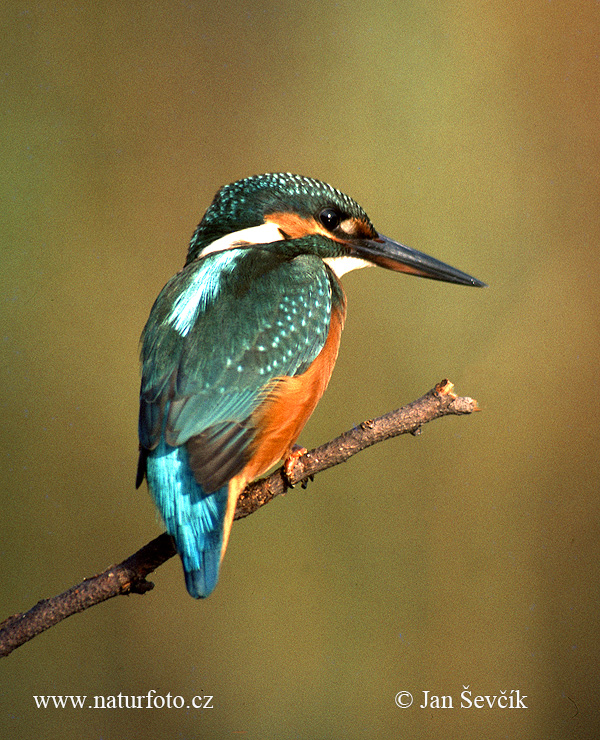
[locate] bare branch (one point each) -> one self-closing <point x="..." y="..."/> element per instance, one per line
<point x="130" y="575"/>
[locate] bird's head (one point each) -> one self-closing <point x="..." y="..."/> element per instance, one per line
<point x="275" y="207"/>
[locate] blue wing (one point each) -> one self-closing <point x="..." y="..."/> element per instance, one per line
<point x="219" y="335"/>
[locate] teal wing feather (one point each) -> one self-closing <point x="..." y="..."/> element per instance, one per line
<point x="219" y="333"/>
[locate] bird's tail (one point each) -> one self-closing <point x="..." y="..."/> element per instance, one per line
<point x="195" y="519"/>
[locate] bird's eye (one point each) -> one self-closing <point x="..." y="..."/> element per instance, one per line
<point x="330" y="218"/>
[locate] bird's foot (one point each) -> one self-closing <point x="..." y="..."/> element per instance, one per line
<point x="290" y="462"/>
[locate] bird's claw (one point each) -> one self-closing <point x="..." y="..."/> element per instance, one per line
<point x="290" y="462"/>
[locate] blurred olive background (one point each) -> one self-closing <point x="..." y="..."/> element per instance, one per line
<point x="466" y="557"/>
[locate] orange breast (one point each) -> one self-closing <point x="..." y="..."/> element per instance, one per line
<point x="281" y="417"/>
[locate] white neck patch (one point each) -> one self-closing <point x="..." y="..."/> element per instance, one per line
<point x="262" y="234"/>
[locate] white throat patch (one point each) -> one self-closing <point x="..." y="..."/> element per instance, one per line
<point x="344" y="264"/>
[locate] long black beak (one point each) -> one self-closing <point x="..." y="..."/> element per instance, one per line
<point x="395" y="256"/>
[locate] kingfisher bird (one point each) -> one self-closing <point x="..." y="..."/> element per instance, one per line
<point x="241" y="343"/>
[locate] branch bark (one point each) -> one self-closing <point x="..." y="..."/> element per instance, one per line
<point x="130" y="575"/>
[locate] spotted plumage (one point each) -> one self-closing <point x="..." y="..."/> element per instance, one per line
<point x="240" y="345"/>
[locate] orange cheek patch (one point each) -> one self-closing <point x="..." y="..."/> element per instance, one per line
<point x="293" y="225"/>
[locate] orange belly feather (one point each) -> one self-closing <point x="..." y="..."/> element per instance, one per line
<point x="281" y="417"/>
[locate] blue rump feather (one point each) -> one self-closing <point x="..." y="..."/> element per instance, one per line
<point x="192" y="517"/>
